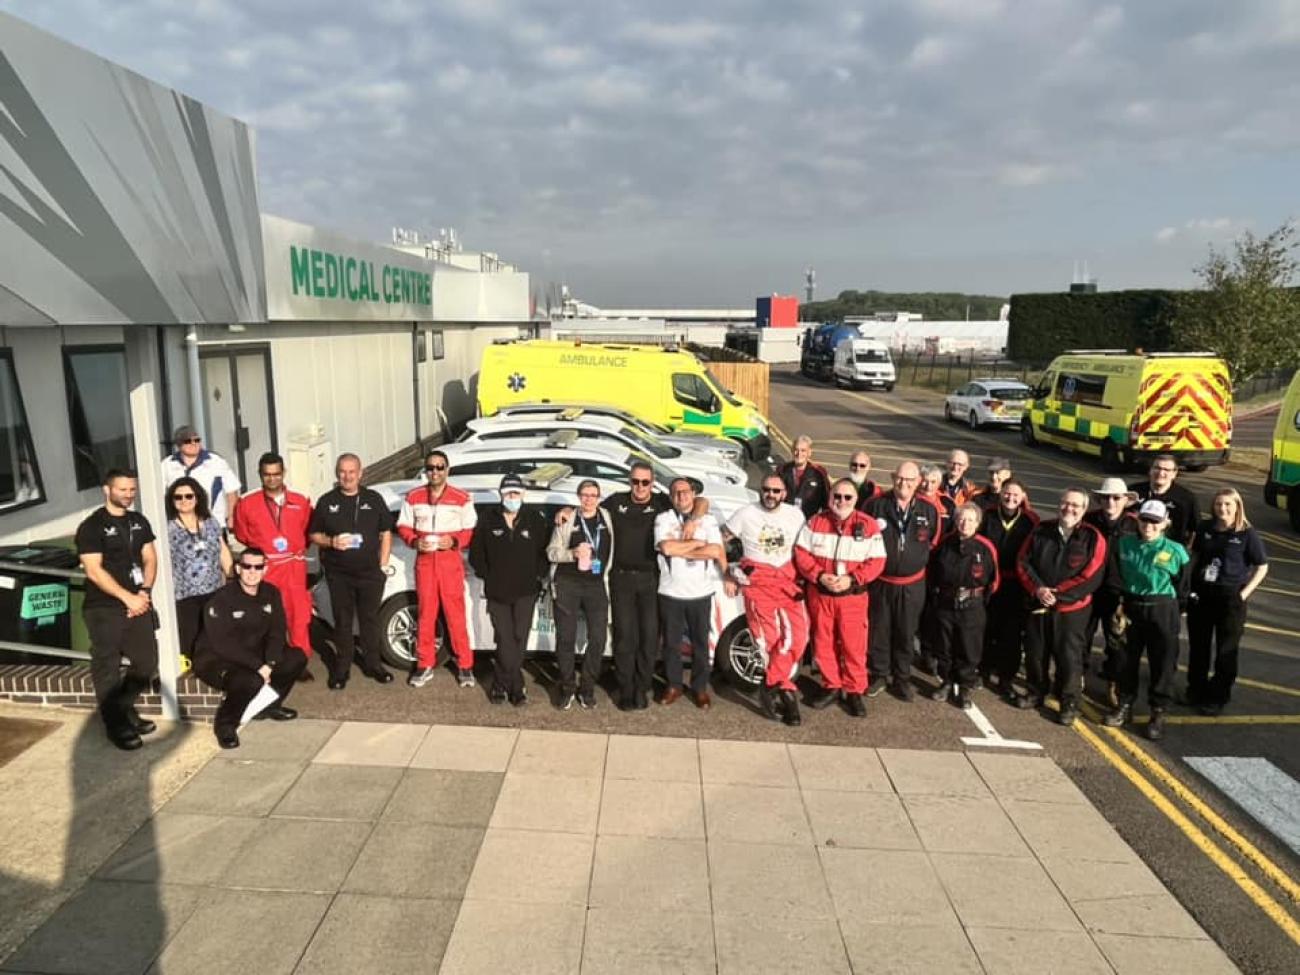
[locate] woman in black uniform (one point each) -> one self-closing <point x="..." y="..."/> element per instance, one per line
<point x="1228" y="563"/>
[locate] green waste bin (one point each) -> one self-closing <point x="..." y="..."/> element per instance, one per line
<point x="35" y="608"/>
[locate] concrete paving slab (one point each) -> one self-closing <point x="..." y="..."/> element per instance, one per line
<point x="237" y="788"/>
<point x="356" y="792"/>
<point x="1004" y="951"/>
<point x="532" y="868"/>
<point x="653" y="759"/>
<point x="885" y="887"/>
<point x="538" y="939"/>
<point x="1164" y="956"/>
<point x="180" y="848"/>
<point x="655" y="874"/>
<point x="444" y="797"/>
<point x="460" y="748"/>
<point x="1150" y="916"/>
<point x="834" y="768"/>
<point x="766" y="881"/>
<point x="559" y="753"/>
<point x="915" y="773"/>
<point x="870" y="820"/>
<point x="883" y="949"/>
<point x="280" y="741"/>
<point x="755" y="814"/>
<point x="106" y="929"/>
<point x="392" y="935"/>
<point x="619" y="941"/>
<point x="415" y="860"/>
<point x="1067" y="831"/>
<point x="764" y="763"/>
<point x="1024" y="777"/>
<point x="297" y="854"/>
<point x="780" y="946"/>
<point x="244" y="931"/>
<point x="633" y="807"/>
<point x="964" y="824"/>
<point x="372" y="743"/>
<point x="560" y="803"/>
<point x="1025" y="896"/>
<point x="1081" y="880"/>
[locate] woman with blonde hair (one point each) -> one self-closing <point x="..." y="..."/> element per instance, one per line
<point x="1228" y="564"/>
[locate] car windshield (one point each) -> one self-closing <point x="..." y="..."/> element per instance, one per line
<point x="871" y="355"/>
<point x="721" y="390"/>
<point x="651" y="445"/>
<point x="1009" y="392"/>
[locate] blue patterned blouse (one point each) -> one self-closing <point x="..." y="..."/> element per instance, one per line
<point x="196" y="558"/>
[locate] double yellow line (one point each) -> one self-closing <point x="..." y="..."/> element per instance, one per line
<point x="1275" y="911"/>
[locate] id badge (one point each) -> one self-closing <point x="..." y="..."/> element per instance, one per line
<point x="354" y="540"/>
<point x="280" y="543"/>
<point x="1212" y="571"/>
<point x="595" y="566"/>
<point x="200" y="546"/>
<point x="137" y="575"/>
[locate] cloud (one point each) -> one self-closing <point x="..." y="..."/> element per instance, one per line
<point x="1026" y="174"/>
<point x="1202" y="229"/>
<point x="678" y="35"/>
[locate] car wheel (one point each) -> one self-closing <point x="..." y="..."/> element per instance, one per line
<point x="947" y="412"/>
<point x="744" y="663"/>
<point x="398" y="621"/>
<point x="1027" y="433"/>
<point x="974" y="420"/>
<point x="889" y="387"/>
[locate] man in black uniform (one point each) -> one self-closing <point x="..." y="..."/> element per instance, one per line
<point x="988" y="496"/>
<point x="1062" y="563"/>
<point x="1112" y="520"/>
<point x="807" y="485"/>
<point x="1007" y="526"/>
<point x="508" y="552"/>
<point x="962" y="577"/>
<point x="909" y="525"/>
<point x="242" y="648"/>
<point x="634" y="586"/>
<point x="116" y="549"/>
<point x="353" y="529"/>
<point x="1181" y="504"/>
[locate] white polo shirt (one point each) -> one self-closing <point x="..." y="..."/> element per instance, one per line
<point x="213" y="474"/>
<point x="687" y="578"/>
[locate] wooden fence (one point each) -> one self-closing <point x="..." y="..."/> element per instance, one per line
<point x="747" y="379"/>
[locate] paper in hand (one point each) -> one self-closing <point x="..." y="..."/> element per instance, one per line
<point x="263" y="700"/>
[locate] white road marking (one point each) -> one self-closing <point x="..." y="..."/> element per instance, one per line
<point x="989" y="737"/>
<point x="1262" y="789"/>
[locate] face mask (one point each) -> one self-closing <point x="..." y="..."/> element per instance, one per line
<point x="512" y="504"/>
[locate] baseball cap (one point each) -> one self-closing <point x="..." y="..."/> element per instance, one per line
<point x="511" y="482"/>
<point x="184" y="432"/>
<point x="1153" y="510"/>
<point x="999" y="464"/>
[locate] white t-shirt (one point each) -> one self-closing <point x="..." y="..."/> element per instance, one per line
<point x="687" y="578"/>
<point x="768" y="536"/>
<point x="212" y="473"/>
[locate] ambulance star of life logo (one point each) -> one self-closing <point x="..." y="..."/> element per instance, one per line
<point x="516" y="382"/>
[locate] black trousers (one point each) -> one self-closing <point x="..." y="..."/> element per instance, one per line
<point x="1104" y="605"/>
<point x="1059" y="637"/>
<point x="687" y="619"/>
<point x="114" y="635"/>
<point x="588" y="598"/>
<point x="634" y="608"/>
<point x="1153" y="627"/>
<point x="959" y="642"/>
<point x="356" y="597"/>
<point x="189" y="620"/>
<point x="511" y="623"/>
<point x="893" y="618"/>
<point x="241" y="684"/>
<point x="1004" y="634"/>
<point x="1216" y="619"/>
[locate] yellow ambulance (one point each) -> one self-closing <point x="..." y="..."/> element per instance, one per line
<point x="1124" y="407"/>
<point x="666" y="386"/>
<point x="1282" y="490"/>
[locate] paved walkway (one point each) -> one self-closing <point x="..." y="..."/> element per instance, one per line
<point x="321" y="847"/>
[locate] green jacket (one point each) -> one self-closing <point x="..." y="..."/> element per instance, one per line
<point x="1154" y="568"/>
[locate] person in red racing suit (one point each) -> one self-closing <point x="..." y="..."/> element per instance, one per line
<point x="773" y="595"/>
<point x="437" y="520"/>
<point x="275" y="520"/>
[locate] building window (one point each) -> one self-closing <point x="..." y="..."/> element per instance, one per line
<point x="20" y="476"/>
<point x="438" y="350"/>
<point x="99" y="411"/>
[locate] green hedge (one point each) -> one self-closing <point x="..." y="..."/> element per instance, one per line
<point x="1045" y="325"/>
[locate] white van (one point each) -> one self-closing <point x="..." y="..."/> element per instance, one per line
<point x="863" y="362"/>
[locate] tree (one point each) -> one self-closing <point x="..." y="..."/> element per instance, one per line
<point x="1247" y="312"/>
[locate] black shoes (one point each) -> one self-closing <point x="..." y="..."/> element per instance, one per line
<point x="587" y="700"/>
<point x="306" y="677"/>
<point x="822" y="698"/>
<point x="1069" y="714"/>
<point x="141" y="726"/>
<point x="519" y="700"/>
<point x="855" y="705"/>
<point x="565" y="702"/>
<point x="337" y="683"/>
<point x="1156" y="724"/>
<point x="902" y="690"/>
<point x="421" y="676"/>
<point x="790" y="709"/>
<point x="498" y="695"/>
<point x="380" y="676"/>
<point x="767" y="704"/>
<point x="963" y="699"/>
<point x="228" y="738"/>
<point x="875" y="686"/>
<point x="1029" y="702"/>
<point x="465" y="678"/>
<point x="941" y="693"/>
<point x="126" y="739"/>
<point x="1118" y="717"/>
<point x="276" y="712"/>
<point x="1211" y="710"/>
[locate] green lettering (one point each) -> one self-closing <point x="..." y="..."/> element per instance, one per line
<point x="373" y="295"/>
<point x="363" y="286"/>
<point x="331" y="276"/>
<point x="299" y="269"/>
<point x="388" y="288"/>
<point x="349" y="270"/>
<point x="317" y="275"/>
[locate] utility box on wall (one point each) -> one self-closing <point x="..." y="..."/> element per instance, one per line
<point x="777" y="311"/>
<point x="310" y="462"/>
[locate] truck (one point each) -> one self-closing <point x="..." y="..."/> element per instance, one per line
<point x="817" y="350"/>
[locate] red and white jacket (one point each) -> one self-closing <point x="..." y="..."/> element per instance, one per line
<point x="450" y="513"/>
<point x="852" y="547"/>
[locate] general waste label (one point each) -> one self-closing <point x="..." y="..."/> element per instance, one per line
<point x="43" y="601"/>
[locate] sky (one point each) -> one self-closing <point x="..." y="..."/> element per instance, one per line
<point x="688" y="154"/>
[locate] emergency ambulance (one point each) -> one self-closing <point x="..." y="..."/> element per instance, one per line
<point x="1124" y="407"/>
<point x="1282" y="490"/>
<point x="667" y="386"/>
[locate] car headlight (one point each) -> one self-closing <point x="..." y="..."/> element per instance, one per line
<point x="756" y="420"/>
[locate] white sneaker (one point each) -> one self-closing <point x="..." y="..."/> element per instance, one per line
<point x="421" y="676"/>
<point x="465" y="678"/>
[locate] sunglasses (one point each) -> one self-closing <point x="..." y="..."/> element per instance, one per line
<point x="435" y="467"/>
<point x="182" y="497"/>
<point x="845" y="497"/>
<point x="859" y="467"/>
<point x="640" y="481"/>
<point x="193" y="440"/>
<point x="246" y="567"/>
<point x="779" y="490"/>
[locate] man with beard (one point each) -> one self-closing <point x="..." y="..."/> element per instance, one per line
<point x="859" y="469"/>
<point x="773" y="596"/>
<point x="806" y="483"/>
<point x="1181" y="503"/>
<point x="955" y="484"/>
<point x="1111" y="518"/>
<point x="1006" y="526"/>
